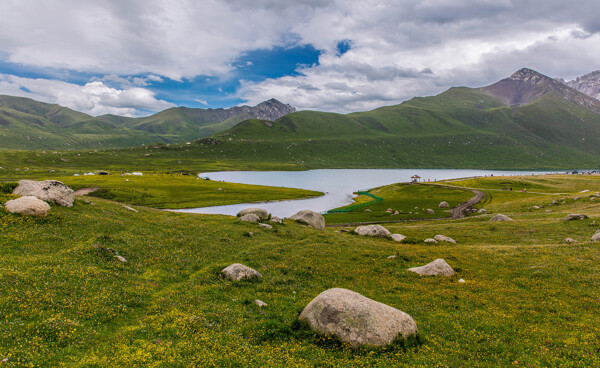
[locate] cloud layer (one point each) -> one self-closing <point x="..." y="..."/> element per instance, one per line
<point x="398" y="49"/>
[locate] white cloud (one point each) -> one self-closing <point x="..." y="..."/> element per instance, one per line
<point x="94" y="98"/>
<point x="399" y="49"/>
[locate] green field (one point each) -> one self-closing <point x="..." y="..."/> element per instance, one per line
<point x="410" y="200"/>
<point x="529" y="298"/>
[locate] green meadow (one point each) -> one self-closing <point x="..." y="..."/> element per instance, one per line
<point x="529" y="298"/>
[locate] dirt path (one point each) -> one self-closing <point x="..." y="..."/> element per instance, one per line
<point x="85" y="191"/>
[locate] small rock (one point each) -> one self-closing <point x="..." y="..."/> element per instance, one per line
<point x="310" y="218"/>
<point x="554" y="202"/>
<point x="389" y="210"/>
<point x="575" y="216"/>
<point x="260" y="303"/>
<point x="28" y="206"/>
<point x="548" y="211"/>
<point x="444" y="205"/>
<point x="261" y="213"/>
<point x="536" y="207"/>
<point x="250" y="218"/>
<point x="482" y="211"/>
<point x="398" y="237"/>
<point x="276" y="220"/>
<point x="220" y="189"/>
<point x="373" y="230"/>
<point x="238" y="271"/>
<point x="430" y="211"/>
<point x="430" y="240"/>
<point x="500" y="218"/>
<point x="461" y="281"/>
<point x="570" y="240"/>
<point x="131" y="208"/>
<point x="368" y="210"/>
<point x="391" y="257"/>
<point x="439" y="267"/>
<point x="265" y="226"/>
<point x="444" y="239"/>
<point x="121" y="259"/>
<point x="357" y="320"/>
<point x="596" y="237"/>
<point x="396" y="213"/>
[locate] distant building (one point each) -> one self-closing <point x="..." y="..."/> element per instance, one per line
<point x="415" y="178"/>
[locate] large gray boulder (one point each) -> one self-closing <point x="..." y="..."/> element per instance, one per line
<point x="309" y="218"/>
<point x="500" y="218"/>
<point x="444" y="205"/>
<point x="29" y="206"/>
<point x="439" y="267"/>
<point x="261" y="213"/>
<point x="238" y="271"/>
<point x="575" y="216"/>
<point x="373" y="230"/>
<point x="357" y="320"/>
<point x="250" y="217"/>
<point x="47" y="190"/>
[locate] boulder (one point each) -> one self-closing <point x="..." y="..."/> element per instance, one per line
<point x="357" y="320"/>
<point x="482" y="211"/>
<point x="398" y="237"/>
<point x="310" y="218"/>
<point x="373" y="230"/>
<point x="575" y="216"/>
<point x="265" y="226"/>
<point x="430" y="211"/>
<point x="276" y="220"/>
<point x="47" y="190"/>
<point x="260" y="303"/>
<point x="443" y="238"/>
<point x="430" y="240"/>
<point x="238" y="271"/>
<point x="29" y="206"/>
<point x="500" y="218"/>
<point x="570" y="240"/>
<point x="261" y="213"/>
<point x="439" y="267"/>
<point x="250" y="217"/>
<point x="461" y="281"/>
<point x="554" y="202"/>
<point x="596" y="237"/>
<point x="444" y="205"/>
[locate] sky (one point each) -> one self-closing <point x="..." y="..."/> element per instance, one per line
<point x="136" y="57"/>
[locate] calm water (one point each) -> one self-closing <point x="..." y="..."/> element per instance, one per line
<point x="337" y="184"/>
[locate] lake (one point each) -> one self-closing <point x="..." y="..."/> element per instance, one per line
<point x="337" y="184"/>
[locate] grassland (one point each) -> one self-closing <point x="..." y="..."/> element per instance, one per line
<point x="410" y="201"/>
<point x="529" y="298"/>
<point x="176" y="191"/>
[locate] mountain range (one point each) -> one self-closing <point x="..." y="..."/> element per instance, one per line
<point x="527" y="120"/>
<point x="27" y="124"/>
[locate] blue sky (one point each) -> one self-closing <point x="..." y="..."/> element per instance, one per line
<point x="137" y="57"/>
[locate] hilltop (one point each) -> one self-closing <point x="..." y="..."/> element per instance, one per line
<point x="27" y="124"/>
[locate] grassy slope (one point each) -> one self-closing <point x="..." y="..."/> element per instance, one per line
<point x="528" y="299"/>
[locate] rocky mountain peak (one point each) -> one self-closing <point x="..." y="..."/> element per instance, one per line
<point x="588" y="84"/>
<point x="528" y="75"/>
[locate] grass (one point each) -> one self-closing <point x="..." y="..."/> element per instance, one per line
<point x="409" y="200"/>
<point x="176" y="191"/>
<point x="529" y="299"/>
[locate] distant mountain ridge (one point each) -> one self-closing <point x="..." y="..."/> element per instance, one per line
<point x="527" y="120"/>
<point x="588" y="84"/>
<point x="30" y="124"/>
